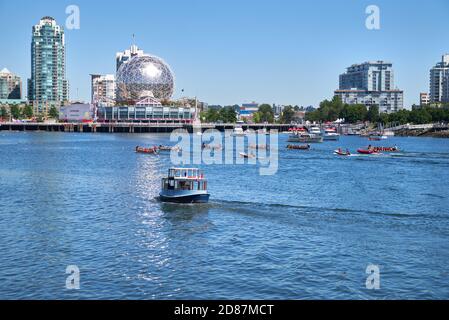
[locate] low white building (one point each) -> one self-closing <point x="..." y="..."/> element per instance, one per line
<point x="78" y="112"/>
<point x="388" y="101"/>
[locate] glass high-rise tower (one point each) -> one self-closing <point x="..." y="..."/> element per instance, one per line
<point x="48" y="85"/>
<point x="439" y="81"/>
<point x="10" y="85"/>
<point x="371" y="83"/>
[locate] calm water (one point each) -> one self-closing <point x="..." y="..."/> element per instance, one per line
<point x="308" y="232"/>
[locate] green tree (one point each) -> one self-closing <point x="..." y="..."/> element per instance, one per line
<point x="287" y="114"/>
<point x="373" y="114"/>
<point x="53" y="113"/>
<point x="354" y="113"/>
<point x="401" y="117"/>
<point x="4" y="113"/>
<point x="228" y="114"/>
<point x="211" y="115"/>
<point x="420" y="116"/>
<point x="40" y="118"/>
<point x="266" y="113"/>
<point x="329" y="110"/>
<point x="27" y="111"/>
<point x="384" y="118"/>
<point x="257" y="117"/>
<point x="15" y="112"/>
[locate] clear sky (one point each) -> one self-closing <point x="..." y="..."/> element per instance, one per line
<point x="234" y="51"/>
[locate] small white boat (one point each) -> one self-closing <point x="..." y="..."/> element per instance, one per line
<point x="330" y="134"/>
<point x="238" y="132"/>
<point x="315" y="130"/>
<point x="246" y="155"/>
<point x="305" y="138"/>
<point x="184" y="185"/>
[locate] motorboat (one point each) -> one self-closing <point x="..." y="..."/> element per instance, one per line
<point x="330" y="134"/>
<point x="367" y="151"/>
<point x="342" y="153"/>
<point x="246" y="155"/>
<point x="152" y="150"/>
<point x="238" y="132"/>
<point x="315" y="130"/>
<point x="184" y="185"/>
<point x="305" y="137"/>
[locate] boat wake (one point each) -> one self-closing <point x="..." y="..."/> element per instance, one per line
<point x="251" y="207"/>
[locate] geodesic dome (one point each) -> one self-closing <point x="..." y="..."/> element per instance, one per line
<point x="144" y="76"/>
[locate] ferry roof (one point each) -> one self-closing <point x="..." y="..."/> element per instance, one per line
<point x="185" y="174"/>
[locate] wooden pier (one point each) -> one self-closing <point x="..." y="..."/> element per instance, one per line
<point x="130" y="127"/>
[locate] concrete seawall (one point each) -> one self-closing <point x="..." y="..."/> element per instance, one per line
<point x="433" y="132"/>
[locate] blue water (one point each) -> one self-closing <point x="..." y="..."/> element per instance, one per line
<point x="308" y="232"/>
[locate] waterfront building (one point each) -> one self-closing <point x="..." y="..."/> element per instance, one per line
<point x="10" y="85"/>
<point x="445" y="98"/>
<point x="103" y="89"/>
<point x="144" y="76"/>
<point x="48" y="85"/>
<point x="277" y="109"/>
<point x="125" y="56"/>
<point x="247" y="110"/>
<point x="424" y="98"/>
<point x="439" y="87"/>
<point x="369" y="76"/>
<point x="388" y="101"/>
<point x="77" y="112"/>
<point x="148" y="110"/>
<point x="371" y="83"/>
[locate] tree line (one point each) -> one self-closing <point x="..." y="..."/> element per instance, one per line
<point x="25" y="112"/>
<point x="264" y="114"/>
<point x="331" y="110"/>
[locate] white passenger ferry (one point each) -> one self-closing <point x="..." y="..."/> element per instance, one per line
<point x="184" y="185"/>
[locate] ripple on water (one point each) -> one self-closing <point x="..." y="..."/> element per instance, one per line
<point x="308" y="232"/>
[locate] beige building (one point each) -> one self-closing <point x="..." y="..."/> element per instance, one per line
<point x="424" y="99"/>
<point x="103" y="90"/>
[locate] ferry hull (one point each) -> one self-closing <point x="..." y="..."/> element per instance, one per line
<point x="193" y="198"/>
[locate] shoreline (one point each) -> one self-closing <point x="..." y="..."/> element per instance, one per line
<point x="170" y="127"/>
<point x="429" y="133"/>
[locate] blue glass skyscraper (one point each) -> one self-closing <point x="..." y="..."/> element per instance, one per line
<point x="48" y="85"/>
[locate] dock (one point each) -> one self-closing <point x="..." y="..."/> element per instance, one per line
<point x="131" y="127"/>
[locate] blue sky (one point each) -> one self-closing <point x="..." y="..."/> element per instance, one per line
<point x="230" y="51"/>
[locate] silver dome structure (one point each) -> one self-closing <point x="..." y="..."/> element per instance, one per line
<point x="144" y="76"/>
